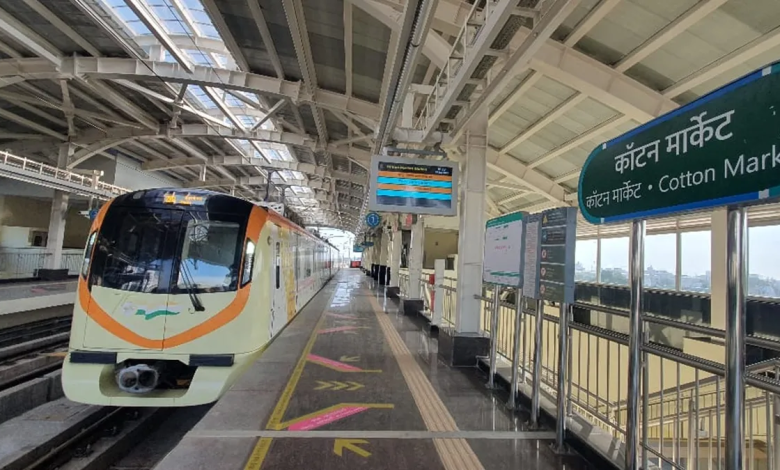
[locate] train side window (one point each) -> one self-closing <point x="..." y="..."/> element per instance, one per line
<point x="249" y="262"/>
<point x="278" y="265"/>
<point x="88" y="255"/>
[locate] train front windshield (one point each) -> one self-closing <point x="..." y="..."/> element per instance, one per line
<point x="168" y="251"/>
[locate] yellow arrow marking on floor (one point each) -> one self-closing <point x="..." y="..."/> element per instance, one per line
<point x="352" y="445"/>
<point x="349" y="358"/>
<point x="336" y="385"/>
<point x="55" y="354"/>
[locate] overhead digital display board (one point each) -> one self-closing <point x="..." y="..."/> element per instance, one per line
<point x="413" y="186"/>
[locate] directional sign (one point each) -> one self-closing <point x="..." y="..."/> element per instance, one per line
<point x="358" y="249"/>
<point x="373" y="219"/>
<point x="721" y="149"/>
<point x="93" y="214"/>
<point x="556" y="264"/>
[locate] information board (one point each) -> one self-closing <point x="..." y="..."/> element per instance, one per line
<point x="413" y="186"/>
<point x="722" y="149"/>
<point x="533" y="234"/>
<point x="556" y="260"/>
<point x="504" y="244"/>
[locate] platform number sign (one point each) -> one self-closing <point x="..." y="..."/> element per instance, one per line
<point x="373" y="219"/>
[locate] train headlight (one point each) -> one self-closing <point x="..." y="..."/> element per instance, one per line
<point x="249" y="262"/>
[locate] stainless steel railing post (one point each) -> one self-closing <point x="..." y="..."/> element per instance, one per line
<point x="537" y="377"/>
<point x="516" y="352"/>
<point x="634" y="343"/>
<point x="563" y="382"/>
<point x="494" y="335"/>
<point x="736" y="246"/>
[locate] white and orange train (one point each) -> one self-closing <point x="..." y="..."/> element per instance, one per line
<point x="180" y="291"/>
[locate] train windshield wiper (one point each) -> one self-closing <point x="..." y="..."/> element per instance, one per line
<point x="186" y="278"/>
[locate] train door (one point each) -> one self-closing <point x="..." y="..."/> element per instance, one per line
<point x="278" y="287"/>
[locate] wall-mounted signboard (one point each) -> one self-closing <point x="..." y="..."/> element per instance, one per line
<point x="556" y="256"/>
<point x="504" y="244"/>
<point x="722" y="149"/>
<point x="413" y="186"/>
<point x="533" y="250"/>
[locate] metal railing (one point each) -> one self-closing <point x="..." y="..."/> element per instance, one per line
<point x="678" y="388"/>
<point x="74" y="181"/>
<point x="27" y="265"/>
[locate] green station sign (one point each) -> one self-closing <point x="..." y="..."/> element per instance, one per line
<point x="722" y="149"/>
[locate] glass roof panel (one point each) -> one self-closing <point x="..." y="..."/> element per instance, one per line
<point x="200" y="58"/>
<point x="128" y="16"/>
<point x="169" y="17"/>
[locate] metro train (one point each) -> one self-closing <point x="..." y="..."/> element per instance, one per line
<point x="180" y="291"/>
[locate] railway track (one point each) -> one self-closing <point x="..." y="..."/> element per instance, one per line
<point x="37" y="350"/>
<point x="88" y="437"/>
<point x="33" y="330"/>
<point x="102" y="438"/>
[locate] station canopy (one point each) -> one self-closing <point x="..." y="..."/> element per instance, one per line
<point x="224" y="94"/>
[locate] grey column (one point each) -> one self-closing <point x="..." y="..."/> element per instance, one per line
<point x="416" y="259"/>
<point x="395" y="256"/>
<point x="59" y="212"/>
<point x="471" y="236"/>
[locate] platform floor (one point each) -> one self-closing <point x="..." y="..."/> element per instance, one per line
<point x="352" y="383"/>
<point x="18" y="297"/>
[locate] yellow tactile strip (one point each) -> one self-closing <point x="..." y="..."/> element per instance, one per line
<point x="455" y="454"/>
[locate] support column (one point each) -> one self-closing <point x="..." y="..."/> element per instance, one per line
<point x="384" y="258"/>
<point x="376" y="256"/>
<point x="413" y="303"/>
<point x="461" y="347"/>
<point x="56" y="235"/>
<point x="393" y="288"/>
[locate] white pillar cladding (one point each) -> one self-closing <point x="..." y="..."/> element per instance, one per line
<point x="471" y="238"/>
<point x="416" y="258"/>
<point x="438" y="301"/>
<point x="59" y="212"/>
<point x="395" y="256"/>
<point x="384" y="254"/>
<point x="718" y="268"/>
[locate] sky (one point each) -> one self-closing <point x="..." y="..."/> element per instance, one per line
<point x="341" y="239"/>
<point x="660" y="252"/>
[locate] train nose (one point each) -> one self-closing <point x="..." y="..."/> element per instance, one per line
<point x="139" y="378"/>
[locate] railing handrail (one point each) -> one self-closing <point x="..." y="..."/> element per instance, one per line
<point x="61" y="174"/>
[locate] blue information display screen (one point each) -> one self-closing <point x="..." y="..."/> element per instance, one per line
<point x="413" y="186"/>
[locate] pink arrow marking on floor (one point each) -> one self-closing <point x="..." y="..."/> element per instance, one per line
<point x="339" y="328"/>
<point x="334" y="364"/>
<point x="344" y="316"/>
<point x="327" y="418"/>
